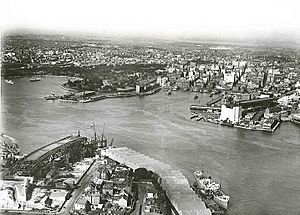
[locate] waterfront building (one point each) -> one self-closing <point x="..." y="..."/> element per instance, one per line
<point x="162" y="81"/>
<point x="183" y="83"/>
<point x="80" y="204"/>
<point x="172" y="181"/>
<point x="231" y="113"/>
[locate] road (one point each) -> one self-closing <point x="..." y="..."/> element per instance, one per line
<point x="69" y="205"/>
<point x="139" y="203"/>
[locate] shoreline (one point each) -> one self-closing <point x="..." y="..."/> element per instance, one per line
<point x="101" y="96"/>
<point x="217" y="122"/>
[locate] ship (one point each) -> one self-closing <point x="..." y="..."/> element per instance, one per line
<point x="67" y="100"/>
<point x="35" y="79"/>
<point x="226" y="123"/>
<point x="205" y="182"/>
<point x="221" y="198"/>
<point x="52" y="96"/>
<point x="296" y="118"/>
<point x="9" y="81"/>
<point x="210" y="187"/>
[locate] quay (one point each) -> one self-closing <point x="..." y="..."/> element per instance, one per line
<point x="178" y="190"/>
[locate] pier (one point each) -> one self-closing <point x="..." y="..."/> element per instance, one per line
<point x="215" y="100"/>
<point x="183" y="199"/>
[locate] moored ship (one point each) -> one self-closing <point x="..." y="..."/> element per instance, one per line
<point x="221" y="198"/>
<point x="296" y="118"/>
<point x="205" y="182"/>
<point x="35" y="79"/>
<point x="210" y="187"/>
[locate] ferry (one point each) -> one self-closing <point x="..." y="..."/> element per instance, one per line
<point x="52" y="96"/>
<point x="35" y="79"/>
<point x="9" y="81"/>
<point x="210" y="187"/>
<point x="194" y="115"/>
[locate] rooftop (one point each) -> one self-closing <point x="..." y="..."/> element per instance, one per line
<point x="173" y="181"/>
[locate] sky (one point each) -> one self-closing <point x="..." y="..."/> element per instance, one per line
<point x="274" y="20"/>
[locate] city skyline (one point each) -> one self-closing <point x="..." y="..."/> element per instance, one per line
<point x="250" y="21"/>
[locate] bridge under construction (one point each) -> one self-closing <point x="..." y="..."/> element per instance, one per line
<point x="39" y="162"/>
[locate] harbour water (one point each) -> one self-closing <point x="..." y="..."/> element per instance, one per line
<point x="260" y="171"/>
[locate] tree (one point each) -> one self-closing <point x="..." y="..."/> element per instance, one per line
<point x="140" y="173"/>
<point x="48" y="201"/>
<point x="87" y="206"/>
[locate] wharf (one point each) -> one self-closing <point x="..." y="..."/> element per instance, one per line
<point x="177" y="187"/>
<point x="215" y="100"/>
<point x="259" y="128"/>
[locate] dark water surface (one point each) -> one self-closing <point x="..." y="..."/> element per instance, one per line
<point x="260" y="171"/>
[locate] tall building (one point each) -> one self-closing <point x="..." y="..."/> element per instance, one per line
<point x="231" y="113"/>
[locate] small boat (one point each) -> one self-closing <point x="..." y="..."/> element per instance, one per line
<point x="199" y="117"/>
<point x="194" y="115"/>
<point x="195" y="96"/>
<point x="67" y="100"/>
<point x="175" y="88"/>
<point x="52" y="96"/>
<point x="169" y="92"/>
<point x="9" y="81"/>
<point x="35" y="79"/>
<point x="226" y="123"/>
